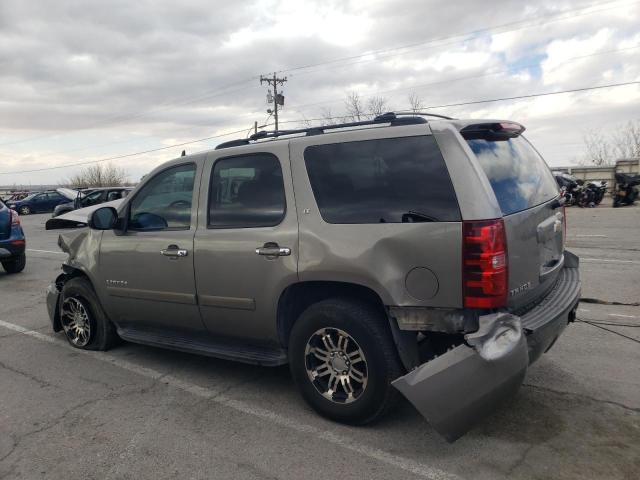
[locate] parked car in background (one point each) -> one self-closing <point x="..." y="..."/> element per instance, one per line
<point x="40" y="202"/>
<point x="12" y="241"/>
<point x="92" y="196"/>
<point x="16" y="196"/>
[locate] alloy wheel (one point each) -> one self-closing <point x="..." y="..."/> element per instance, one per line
<point x="75" y="321"/>
<point x="336" y="365"/>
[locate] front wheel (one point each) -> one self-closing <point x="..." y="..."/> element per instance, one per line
<point x="82" y="318"/>
<point x="24" y="210"/>
<point x="15" y="265"/>
<point x="343" y="360"/>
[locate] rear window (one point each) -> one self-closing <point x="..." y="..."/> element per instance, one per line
<point x="389" y="180"/>
<point x="519" y="176"/>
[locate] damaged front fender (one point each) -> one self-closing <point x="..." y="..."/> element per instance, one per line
<point x="456" y="390"/>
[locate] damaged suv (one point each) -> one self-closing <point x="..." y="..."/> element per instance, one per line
<point x="394" y="255"/>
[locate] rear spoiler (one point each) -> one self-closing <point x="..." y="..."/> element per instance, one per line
<point x="494" y="131"/>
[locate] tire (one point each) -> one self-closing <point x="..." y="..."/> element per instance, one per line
<point x="368" y="331"/>
<point x="24" y="210"/>
<point x="79" y="307"/>
<point x="15" y="265"/>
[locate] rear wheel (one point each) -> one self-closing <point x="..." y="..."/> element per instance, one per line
<point x="24" y="210"/>
<point x="343" y="360"/>
<point x="15" y="265"/>
<point x="82" y="318"/>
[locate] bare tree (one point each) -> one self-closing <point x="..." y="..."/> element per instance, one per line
<point x="598" y="148"/>
<point x="626" y="141"/>
<point x="377" y="106"/>
<point x="415" y="103"/>
<point x="98" y="175"/>
<point x="603" y="149"/>
<point x="327" y="116"/>
<point x="354" y="107"/>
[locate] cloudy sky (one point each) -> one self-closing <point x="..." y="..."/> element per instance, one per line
<point x="83" y="80"/>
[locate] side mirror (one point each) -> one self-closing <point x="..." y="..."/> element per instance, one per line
<point x="104" y="218"/>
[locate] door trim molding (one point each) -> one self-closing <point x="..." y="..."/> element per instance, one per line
<point x="155" y="295"/>
<point x="237" y="303"/>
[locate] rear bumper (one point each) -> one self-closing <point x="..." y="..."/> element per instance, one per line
<point x="459" y="388"/>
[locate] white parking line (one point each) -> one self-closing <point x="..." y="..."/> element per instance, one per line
<point x="608" y="260"/>
<point x="406" y="464"/>
<point x="620" y="315"/>
<point x="600" y="236"/>
<point x="45" y="251"/>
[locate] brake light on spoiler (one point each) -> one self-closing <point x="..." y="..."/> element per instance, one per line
<point x="495" y="131"/>
<point x="485" y="274"/>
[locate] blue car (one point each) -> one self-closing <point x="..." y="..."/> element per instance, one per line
<point x="12" y="241"/>
<point x="40" y="202"/>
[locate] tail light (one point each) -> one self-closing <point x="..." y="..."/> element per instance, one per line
<point x="15" y="218"/>
<point x="484" y="271"/>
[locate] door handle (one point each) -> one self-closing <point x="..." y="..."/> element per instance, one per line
<point x="174" y="251"/>
<point x="273" y="250"/>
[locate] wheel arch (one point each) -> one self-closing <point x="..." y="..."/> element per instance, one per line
<point x="69" y="272"/>
<point x="298" y="296"/>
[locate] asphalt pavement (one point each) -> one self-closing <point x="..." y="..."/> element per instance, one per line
<point x="147" y="413"/>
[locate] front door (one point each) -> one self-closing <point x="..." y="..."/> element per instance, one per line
<point x="147" y="272"/>
<point x="246" y="243"/>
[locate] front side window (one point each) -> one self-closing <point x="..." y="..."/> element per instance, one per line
<point x="391" y="180"/>
<point x="92" y="198"/>
<point x="246" y="191"/>
<point x="164" y="203"/>
<point x="518" y="175"/>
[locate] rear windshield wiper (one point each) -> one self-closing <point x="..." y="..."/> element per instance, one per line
<point x="413" y="216"/>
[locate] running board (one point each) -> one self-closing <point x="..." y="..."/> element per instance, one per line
<point x="226" y="349"/>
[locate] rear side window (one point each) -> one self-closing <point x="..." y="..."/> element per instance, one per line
<point x="518" y="175"/>
<point x="246" y="191"/>
<point x="392" y="180"/>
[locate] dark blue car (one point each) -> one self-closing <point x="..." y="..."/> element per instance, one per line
<point x="39" y="202"/>
<point x="12" y="241"/>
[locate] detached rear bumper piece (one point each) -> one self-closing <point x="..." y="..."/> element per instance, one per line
<point x="456" y="390"/>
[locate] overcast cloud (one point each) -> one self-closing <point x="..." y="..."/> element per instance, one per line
<point x="84" y="80"/>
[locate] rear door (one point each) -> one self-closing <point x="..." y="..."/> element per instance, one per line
<point x="246" y="245"/>
<point x="526" y="192"/>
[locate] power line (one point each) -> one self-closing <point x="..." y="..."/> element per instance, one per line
<point x="475" y="102"/>
<point x="117" y="157"/>
<point x="561" y="15"/>
<point x="519" y="97"/>
<point x="212" y="93"/>
<point x="219" y="91"/>
<point x="467" y="77"/>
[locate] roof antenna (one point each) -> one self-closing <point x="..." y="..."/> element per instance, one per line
<point x="184" y="152"/>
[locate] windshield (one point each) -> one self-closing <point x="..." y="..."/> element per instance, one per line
<point x="518" y="174"/>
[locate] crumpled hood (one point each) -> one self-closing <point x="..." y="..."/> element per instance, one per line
<point x="78" y="218"/>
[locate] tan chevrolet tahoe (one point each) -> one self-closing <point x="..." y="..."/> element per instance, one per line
<point x="411" y="254"/>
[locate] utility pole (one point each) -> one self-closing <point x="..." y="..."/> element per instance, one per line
<point x="277" y="98"/>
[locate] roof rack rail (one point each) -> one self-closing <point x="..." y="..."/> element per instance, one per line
<point x="425" y="114"/>
<point x="389" y="117"/>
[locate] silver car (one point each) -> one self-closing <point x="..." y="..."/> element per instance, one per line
<point x="397" y="255"/>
